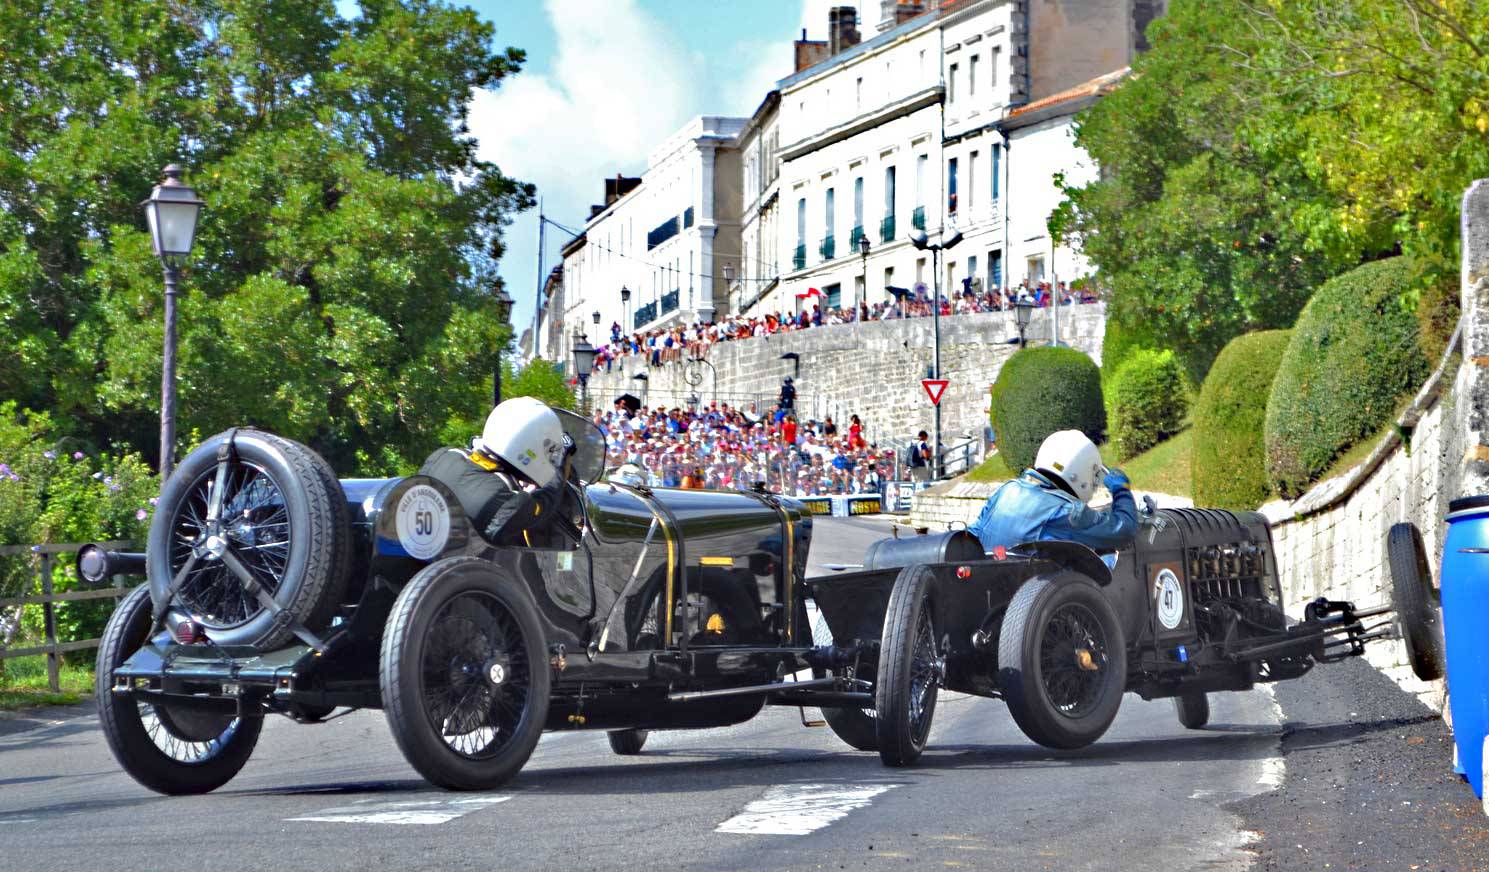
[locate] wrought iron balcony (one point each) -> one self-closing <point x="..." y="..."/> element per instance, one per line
<point x="886" y="229"/>
<point x="854" y="238"/>
<point x="669" y="301"/>
<point x="829" y="247"/>
<point x="917" y="220"/>
<point x="799" y="261"/>
<point x="646" y="314"/>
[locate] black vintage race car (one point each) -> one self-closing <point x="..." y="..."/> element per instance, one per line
<point x="274" y="588"/>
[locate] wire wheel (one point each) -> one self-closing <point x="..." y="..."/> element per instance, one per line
<point x="187" y="737"/>
<point x="1073" y="660"/>
<point x="475" y="674"/>
<point x="924" y="677"/>
<point x="255" y="524"/>
<point x="909" y="670"/>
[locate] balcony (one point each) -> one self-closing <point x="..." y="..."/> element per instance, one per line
<point x="856" y="237"/>
<point x="646" y="314"/>
<point x="829" y="247"/>
<point x="886" y="229"/>
<point x="917" y="220"/>
<point x="669" y="301"/>
<point x="799" y="260"/>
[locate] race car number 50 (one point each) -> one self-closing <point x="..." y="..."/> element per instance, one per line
<point x="423" y="522"/>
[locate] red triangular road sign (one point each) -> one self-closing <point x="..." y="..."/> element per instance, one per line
<point x="934" y="388"/>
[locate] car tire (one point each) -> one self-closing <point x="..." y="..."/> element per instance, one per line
<point x="284" y="518"/>
<point x="627" y="743"/>
<point x="174" y="753"/>
<point x="909" y="670"/>
<point x="1417" y="620"/>
<point x="455" y="622"/>
<point x="1059" y="698"/>
<point x="853" y="725"/>
<point x="1193" y="710"/>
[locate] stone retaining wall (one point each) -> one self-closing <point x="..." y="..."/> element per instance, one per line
<point x="872" y="369"/>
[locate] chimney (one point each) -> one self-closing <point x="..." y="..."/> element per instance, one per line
<point x="842" y="29"/>
<point x="809" y="52"/>
<point x="893" y="13"/>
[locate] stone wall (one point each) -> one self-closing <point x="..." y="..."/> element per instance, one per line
<point x="872" y="369"/>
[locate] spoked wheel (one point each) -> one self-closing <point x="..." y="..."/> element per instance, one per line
<point x="168" y="749"/>
<point x="270" y="515"/>
<point x="853" y="725"/>
<point x="1062" y="662"/>
<point x="465" y="674"/>
<point x="1193" y="710"/>
<point x="910" y="670"/>
<point x="627" y="743"/>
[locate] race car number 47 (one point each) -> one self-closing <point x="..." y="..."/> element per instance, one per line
<point x="423" y="522"/>
<point x="1169" y="596"/>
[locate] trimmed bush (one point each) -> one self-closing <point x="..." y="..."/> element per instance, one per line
<point x="1148" y="399"/>
<point x="1039" y="391"/>
<point x="1355" y="351"/>
<point x="1230" y="461"/>
<point x="1119" y="342"/>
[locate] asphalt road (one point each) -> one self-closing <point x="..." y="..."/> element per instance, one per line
<point x="768" y="794"/>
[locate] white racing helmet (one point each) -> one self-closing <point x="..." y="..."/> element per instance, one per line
<point x="526" y="434"/>
<point x="1072" y="458"/>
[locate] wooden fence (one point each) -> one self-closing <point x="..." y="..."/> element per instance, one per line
<point x="46" y="560"/>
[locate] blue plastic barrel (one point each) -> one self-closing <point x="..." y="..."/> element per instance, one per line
<point x="1465" y="616"/>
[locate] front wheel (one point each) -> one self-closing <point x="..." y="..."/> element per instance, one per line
<point x="854" y="726"/>
<point x="170" y="750"/>
<point x="1062" y="663"/>
<point x="909" y="674"/>
<point x="464" y="674"/>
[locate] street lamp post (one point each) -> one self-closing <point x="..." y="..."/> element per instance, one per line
<point x="171" y="211"/>
<point x="729" y="286"/>
<point x="584" y="363"/>
<point x="503" y="301"/>
<point x="863" y="253"/>
<point x="1023" y="310"/>
<point x="920" y="241"/>
<point x="625" y="310"/>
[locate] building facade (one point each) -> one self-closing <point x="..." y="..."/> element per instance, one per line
<point x="754" y="276"/>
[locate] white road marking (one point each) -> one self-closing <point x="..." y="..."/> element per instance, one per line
<point x="420" y="811"/>
<point x="799" y="809"/>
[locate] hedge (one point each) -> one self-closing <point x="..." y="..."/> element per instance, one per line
<point x="1148" y="400"/>
<point x="1119" y="342"/>
<point x="1355" y="351"/>
<point x="1229" y="469"/>
<point x="1039" y="391"/>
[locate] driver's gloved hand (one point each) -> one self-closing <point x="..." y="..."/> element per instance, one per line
<point x="1116" y="480"/>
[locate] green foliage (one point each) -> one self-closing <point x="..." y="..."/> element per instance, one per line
<point x="346" y="259"/>
<point x="1352" y="356"/>
<point x="1148" y="401"/>
<point x="541" y="379"/>
<point x="1119" y="342"/>
<point x="1230" y="466"/>
<point x="52" y="491"/>
<point x="1438" y="310"/>
<point x="1039" y="391"/>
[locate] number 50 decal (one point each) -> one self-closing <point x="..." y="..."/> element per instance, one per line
<point x="423" y="522"/>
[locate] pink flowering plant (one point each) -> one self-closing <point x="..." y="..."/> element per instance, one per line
<point x="53" y="490"/>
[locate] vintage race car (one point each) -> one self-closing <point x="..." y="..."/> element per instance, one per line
<point x="275" y="588"/>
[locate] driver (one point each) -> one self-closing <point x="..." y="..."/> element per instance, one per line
<point x="512" y="480"/>
<point x="1049" y="501"/>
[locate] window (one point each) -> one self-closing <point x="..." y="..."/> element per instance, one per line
<point x="889" y="192"/>
<point x="858" y="289"/>
<point x="858" y="93"/>
<point x="920" y="270"/>
<point x="972" y="76"/>
<point x="997" y="172"/>
<point x="1036" y="269"/>
<point x="801" y="221"/>
<point x="858" y="204"/>
<point x="971" y="273"/>
<point x="994" y="269"/>
<point x="829" y="212"/>
<point x="971" y="179"/>
<point x="951" y="84"/>
<point x="951" y="186"/>
<point x="888" y="278"/>
<point x="922" y="64"/>
<point x="834" y="296"/>
<point x="920" y="162"/>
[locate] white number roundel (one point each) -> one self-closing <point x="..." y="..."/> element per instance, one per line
<point x="423" y="522"/>
<point x="1169" y="599"/>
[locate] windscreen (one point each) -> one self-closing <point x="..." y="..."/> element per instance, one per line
<point x="589" y="446"/>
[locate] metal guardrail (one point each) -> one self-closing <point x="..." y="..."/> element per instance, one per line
<point x="46" y="560"/>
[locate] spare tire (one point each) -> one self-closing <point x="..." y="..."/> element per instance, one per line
<point x="1417" y="621"/>
<point x="248" y="503"/>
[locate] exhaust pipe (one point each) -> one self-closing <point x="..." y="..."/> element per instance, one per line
<point x="96" y="566"/>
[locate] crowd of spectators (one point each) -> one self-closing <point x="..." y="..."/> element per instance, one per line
<point x="722" y="447"/>
<point x="671" y="344"/>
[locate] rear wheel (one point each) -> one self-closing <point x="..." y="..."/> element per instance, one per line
<point x="854" y="726"/>
<point x="909" y="672"/>
<point x="171" y="750"/>
<point x="464" y="674"/>
<point x="1193" y="709"/>
<point x="1062" y="663"/>
<point x="627" y="743"/>
<point x="1417" y="620"/>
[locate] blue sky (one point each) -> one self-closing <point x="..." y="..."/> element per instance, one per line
<point x="606" y="81"/>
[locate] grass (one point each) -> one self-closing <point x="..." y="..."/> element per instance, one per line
<point x="1164" y="468"/>
<point x="24" y="683"/>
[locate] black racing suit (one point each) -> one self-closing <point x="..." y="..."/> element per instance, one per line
<point x="496" y="505"/>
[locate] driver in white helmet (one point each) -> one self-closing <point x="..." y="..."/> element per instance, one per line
<point x="1049" y="501"/>
<point x="512" y="479"/>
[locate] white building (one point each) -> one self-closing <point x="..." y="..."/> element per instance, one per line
<point x="655" y="237"/>
<point x="755" y="274"/>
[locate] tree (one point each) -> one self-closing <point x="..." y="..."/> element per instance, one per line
<point x="342" y="280"/>
<point x="541" y="379"/>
